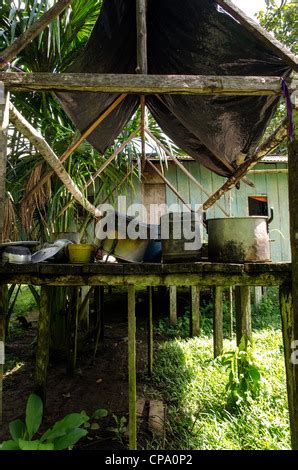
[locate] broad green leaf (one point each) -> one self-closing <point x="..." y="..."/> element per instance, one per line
<point x="34" y="411"/>
<point x="9" y="445"/>
<point x="17" y="429"/>
<point x="28" y="445"/>
<point x="70" y="439"/>
<point x="94" y="426"/>
<point x="101" y="413"/>
<point x="69" y="423"/>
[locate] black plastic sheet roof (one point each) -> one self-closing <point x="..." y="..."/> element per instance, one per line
<point x="189" y="37"/>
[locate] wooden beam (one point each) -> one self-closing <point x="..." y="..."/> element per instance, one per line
<point x="260" y="33"/>
<point x="43" y="343"/>
<point x="169" y="184"/>
<point x="3" y="319"/>
<point x="286" y="308"/>
<point x="195" y="311"/>
<point x="268" y="146"/>
<point x="183" y="169"/>
<point x="99" y="315"/>
<point x="72" y="331"/>
<point x="22" y="41"/>
<point x="141" y="14"/>
<point x="132" y="373"/>
<point x="4" y="121"/>
<point x="173" y="305"/>
<point x="293" y="202"/>
<point x="218" y="322"/>
<point x="243" y="313"/>
<point x="145" y="84"/>
<point x="150" y="330"/>
<point x="36" y="138"/>
<point x="75" y="145"/>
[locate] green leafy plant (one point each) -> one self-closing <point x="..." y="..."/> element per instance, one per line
<point x="119" y="429"/>
<point x="244" y="382"/>
<point x="63" y="435"/>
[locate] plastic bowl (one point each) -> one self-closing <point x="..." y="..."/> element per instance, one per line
<point x="82" y="253"/>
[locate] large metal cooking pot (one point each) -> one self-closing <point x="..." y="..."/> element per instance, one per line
<point x="239" y="239"/>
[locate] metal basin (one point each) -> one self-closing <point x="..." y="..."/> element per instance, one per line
<point x="239" y="239"/>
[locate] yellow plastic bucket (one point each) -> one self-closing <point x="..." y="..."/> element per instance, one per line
<point x="81" y="253"/>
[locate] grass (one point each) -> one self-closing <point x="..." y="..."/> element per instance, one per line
<point x="194" y="386"/>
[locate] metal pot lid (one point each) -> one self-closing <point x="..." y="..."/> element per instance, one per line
<point x="49" y="251"/>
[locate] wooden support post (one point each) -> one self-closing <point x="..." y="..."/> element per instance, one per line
<point x="3" y="319"/>
<point x="132" y="374"/>
<point x="195" y="311"/>
<point x="218" y="321"/>
<point x="4" y="121"/>
<point x="43" y="342"/>
<point x="243" y="312"/>
<point x="231" y="311"/>
<point x="150" y="330"/>
<point x="99" y="315"/>
<point x="286" y="308"/>
<point x="258" y="295"/>
<point x="293" y="201"/>
<point x="141" y="14"/>
<point x="72" y="331"/>
<point x="173" y="305"/>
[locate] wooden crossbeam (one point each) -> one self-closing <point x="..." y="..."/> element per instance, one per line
<point x="260" y="33"/>
<point x="183" y="169"/>
<point x="144" y="84"/>
<point x="35" y="137"/>
<point x="169" y="184"/>
<point x="75" y="145"/>
<point x="268" y="146"/>
<point x="35" y="29"/>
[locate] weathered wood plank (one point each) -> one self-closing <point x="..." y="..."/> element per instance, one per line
<point x="183" y="279"/>
<point x="195" y="311"/>
<point x="141" y="14"/>
<point x="260" y="33"/>
<point x="43" y="343"/>
<point x="72" y="331"/>
<point x="4" y="121"/>
<point x="144" y="84"/>
<point x="150" y="330"/>
<point x="243" y="313"/>
<point x="293" y="201"/>
<point x="218" y="322"/>
<point x="132" y="374"/>
<point x="99" y="315"/>
<point x="173" y="305"/>
<point x="22" y="41"/>
<point x="286" y="308"/>
<point x="3" y="317"/>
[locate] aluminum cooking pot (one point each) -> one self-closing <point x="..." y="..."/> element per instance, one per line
<point x="239" y="239"/>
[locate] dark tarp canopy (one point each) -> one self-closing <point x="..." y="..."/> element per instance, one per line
<point x="193" y="37"/>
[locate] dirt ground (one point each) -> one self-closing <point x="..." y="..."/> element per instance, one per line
<point x="99" y="384"/>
